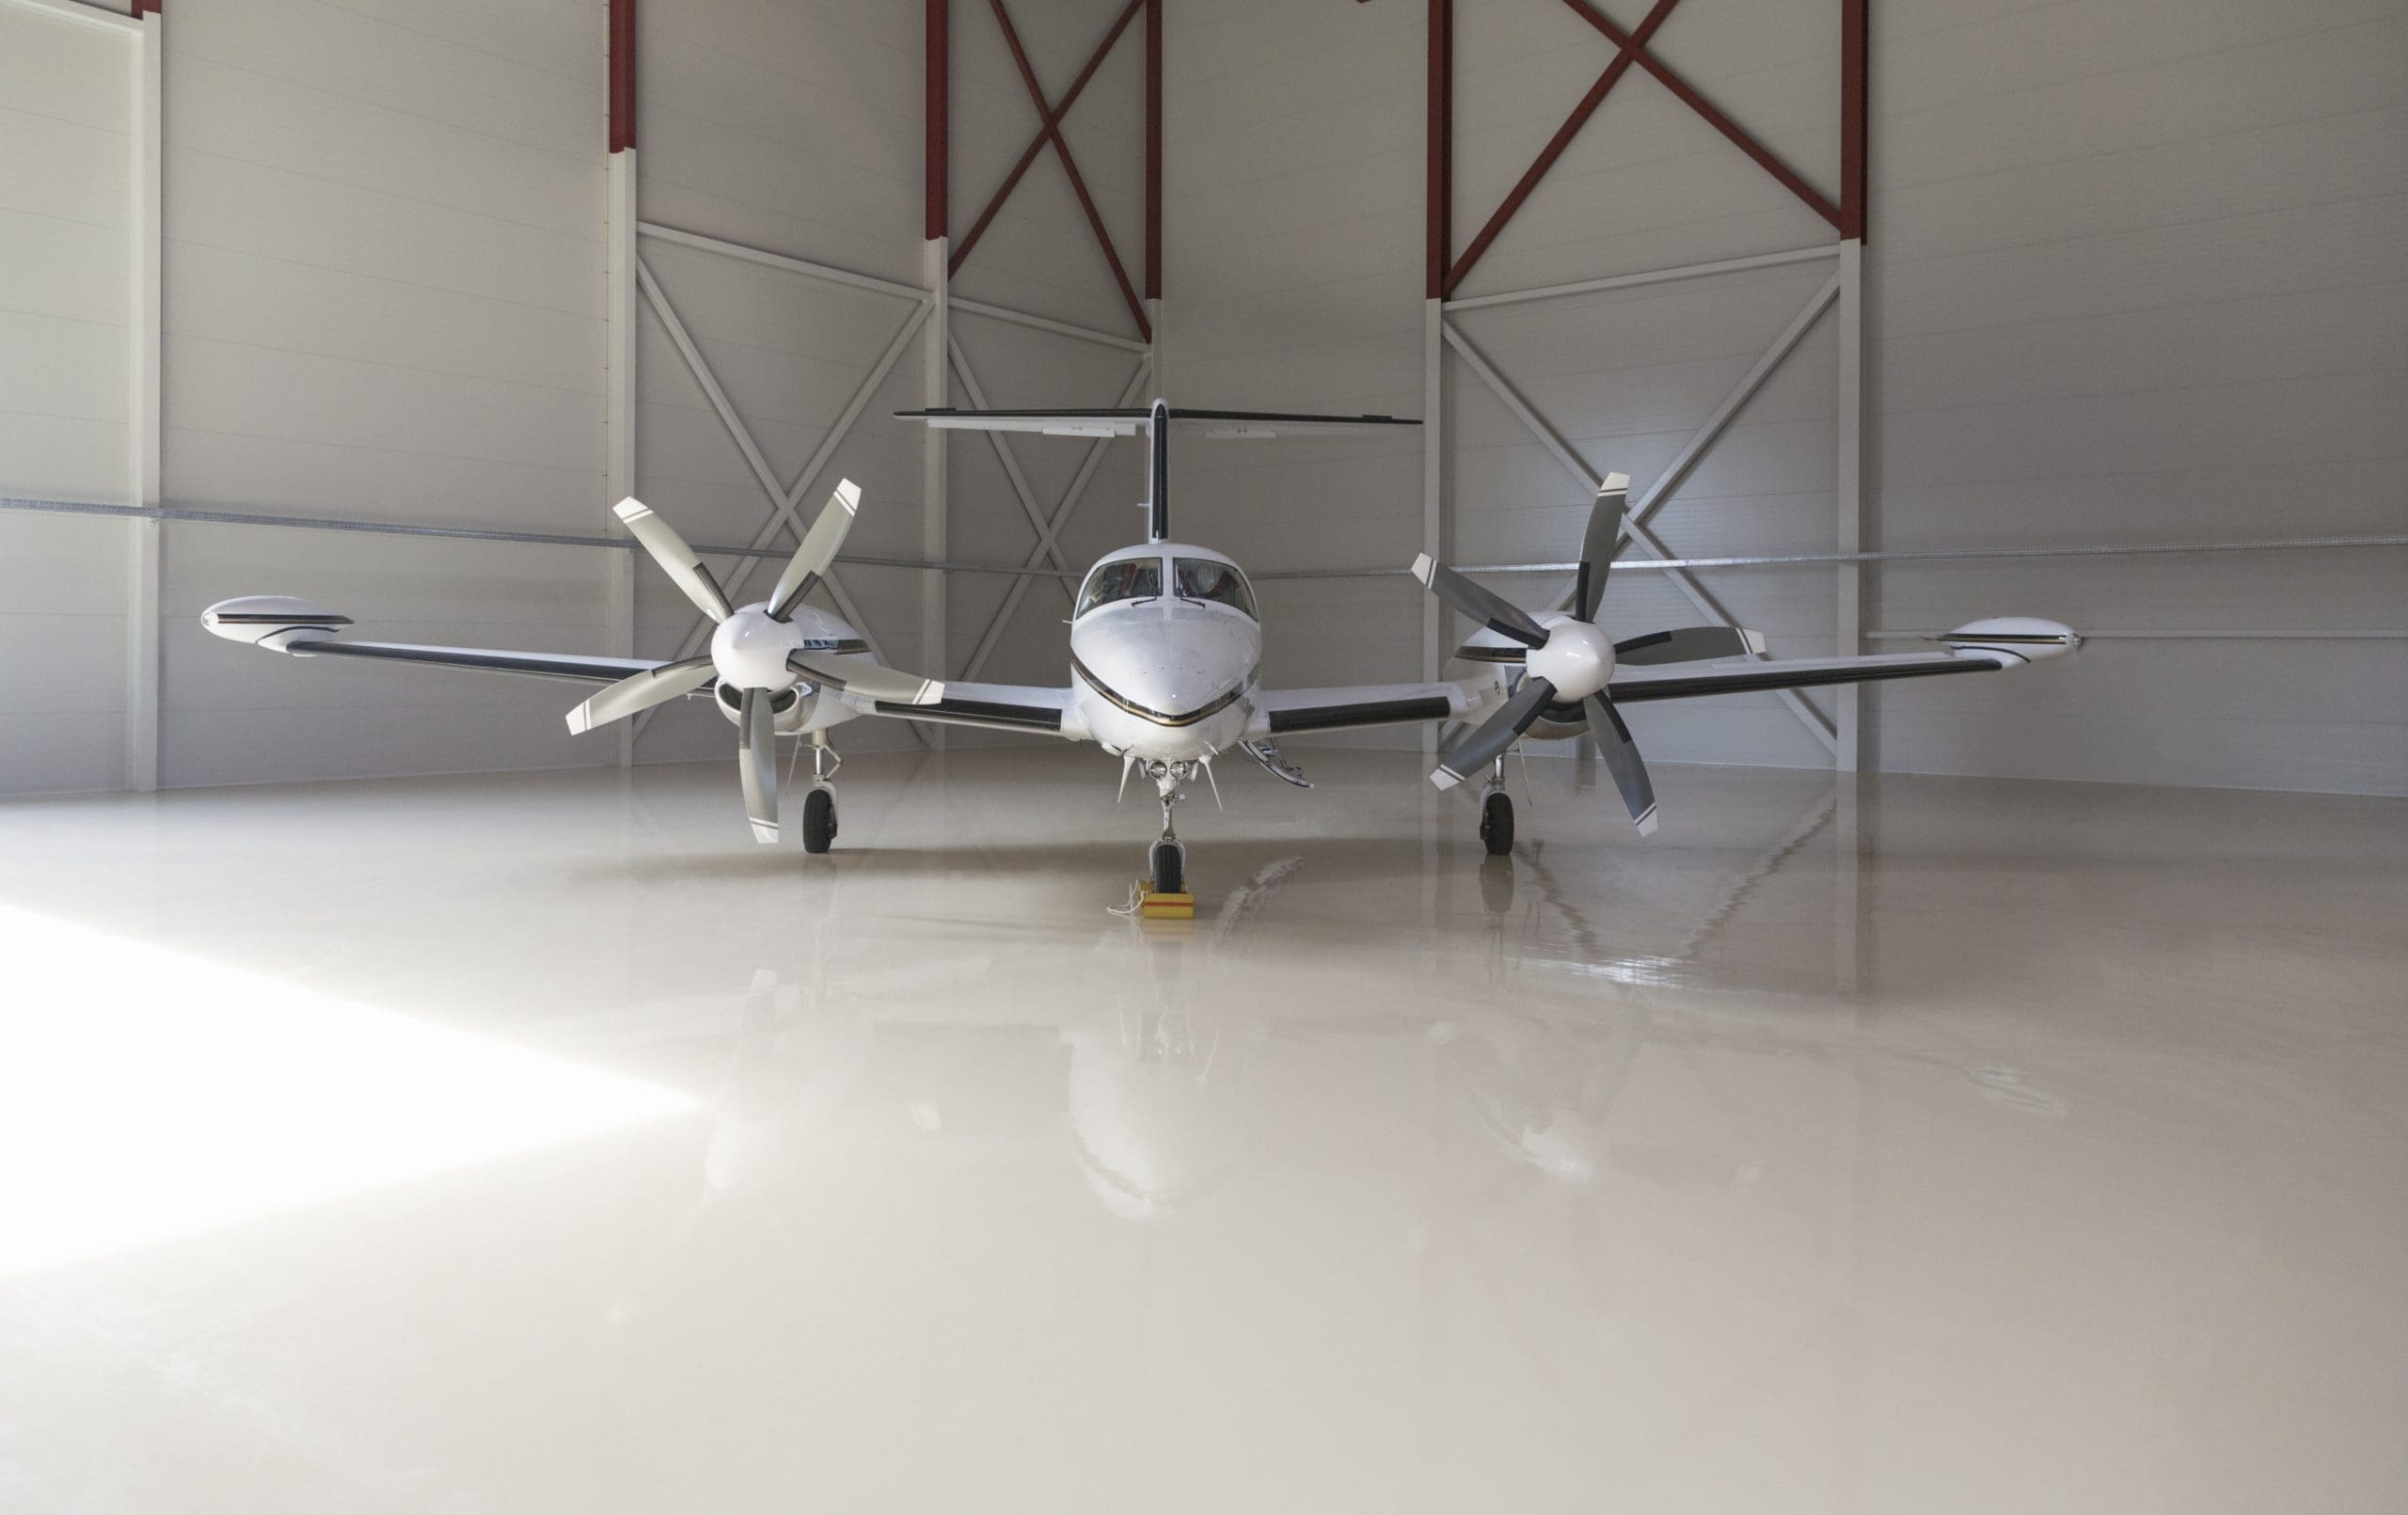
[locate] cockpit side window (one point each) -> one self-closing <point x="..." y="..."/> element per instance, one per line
<point x="1201" y="578"/>
<point x="1126" y="578"/>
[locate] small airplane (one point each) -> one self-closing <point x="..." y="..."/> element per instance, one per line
<point x="1167" y="648"/>
<point x="1166" y="651"/>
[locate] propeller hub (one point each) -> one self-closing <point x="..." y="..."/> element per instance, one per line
<point x="1579" y="660"/>
<point x="750" y="651"/>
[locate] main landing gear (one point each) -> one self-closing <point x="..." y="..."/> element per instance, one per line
<point x="819" y="805"/>
<point x="1496" y="813"/>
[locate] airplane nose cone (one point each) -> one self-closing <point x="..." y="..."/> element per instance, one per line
<point x="1170" y="665"/>
<point x="750" y="651"/>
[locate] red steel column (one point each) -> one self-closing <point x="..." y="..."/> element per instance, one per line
<point x="937" y="117"/>
<point x="1154" y="150"/>
<point x="622" y="75"/>
<point x="1440" y="191"/>
<point x="1855" y="117"/>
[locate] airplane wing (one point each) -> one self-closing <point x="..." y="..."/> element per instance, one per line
<point x="1975" y="649"/>
<point x="1681" y="681"/>
<point x="283" y="624"/>
<point x="1295" y="712"/>
<point x="1004" y="708"/>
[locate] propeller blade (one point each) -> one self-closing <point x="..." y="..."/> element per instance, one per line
<point x="819" y="549"/>
<point x="1488" y="743"/>
<point x="1499" y="615"/>
<point x="1622" y="760"/>
<point x="870" y="681"/>
<point x="640" y="692"/>
<point x="676" y="558"/>
<point x="757" y="760"/>
<point x="1688" y="644"/>
<point x="1597" y="548"/>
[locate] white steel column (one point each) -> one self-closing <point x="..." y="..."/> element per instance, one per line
<point x="145" y="544"/>
<point x="936" y="341"/>
<point x="619" y="424"/>
<point x="1848" y="503"/>
<point x="1433" y="489"/>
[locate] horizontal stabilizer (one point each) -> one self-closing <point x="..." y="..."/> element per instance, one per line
<point x="1129" y="422"/>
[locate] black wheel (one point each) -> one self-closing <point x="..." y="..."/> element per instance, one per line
<point x="1496" y="822"/>
<point x="819" y="820"/>
<point x="1170" y="868"/>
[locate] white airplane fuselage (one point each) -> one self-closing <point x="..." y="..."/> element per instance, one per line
<point x="1165" y="653"/>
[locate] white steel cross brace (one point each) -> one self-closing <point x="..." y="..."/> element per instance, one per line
<point x="1048" y="527"/>
<point x="782" y="498"/>
<point x="1669" y="480"/>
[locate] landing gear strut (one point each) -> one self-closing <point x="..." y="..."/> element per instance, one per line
<point x="1167" y="861"/>
<point x="1496" y="813"/>
<point x="819" y="805"/>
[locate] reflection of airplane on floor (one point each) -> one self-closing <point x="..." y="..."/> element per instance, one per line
<point x="1166" y="652"/>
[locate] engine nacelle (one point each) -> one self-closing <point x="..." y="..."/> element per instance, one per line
<point x="792" y="708"/>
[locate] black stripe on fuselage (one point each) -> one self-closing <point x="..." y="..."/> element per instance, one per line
<point x="1370" y="713"/>
<point x="1161" y="717"/>
<point x="978" y="713"/>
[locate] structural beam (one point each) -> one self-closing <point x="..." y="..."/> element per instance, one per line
<point x="1635" y="524"/>
<point x="936" y="335"/>
<point x="1681" y="90"/>
<point x="620" y="295"/>
<point x="1630" y="49"/>
<point x="782" y="499"/>
<point x="145" y="545"/>
<point x="1047" y="534"/>
<point x="1847" y="499"/>
<point x="89" y="15"/>
<point x="1652" y="275"/>
<point x="1050" y="131"/>
<point x="1439" y="193"/>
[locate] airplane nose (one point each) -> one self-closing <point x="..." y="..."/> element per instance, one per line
<point x="1146" y="665"/>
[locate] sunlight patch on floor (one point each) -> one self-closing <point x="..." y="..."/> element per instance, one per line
<point x="145" y="1094"/>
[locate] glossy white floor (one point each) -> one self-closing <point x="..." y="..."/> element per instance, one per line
<point x="539" y="1144"/>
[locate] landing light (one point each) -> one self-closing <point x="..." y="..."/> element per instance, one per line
<point x="145" y="1094"/>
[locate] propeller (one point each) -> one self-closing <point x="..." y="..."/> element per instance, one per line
<point x="751" y="652"/>
<point x="756" y="761"/>
<point x="642" y="691"/>
<point x="1570" y="661"/>
<point x="676" y="559"/>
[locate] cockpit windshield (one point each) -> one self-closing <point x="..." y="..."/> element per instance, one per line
<point x="1202" y="578"/>
<point x="1125" y="578"/>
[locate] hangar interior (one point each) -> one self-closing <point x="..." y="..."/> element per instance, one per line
<point x="1984" y="1093"/>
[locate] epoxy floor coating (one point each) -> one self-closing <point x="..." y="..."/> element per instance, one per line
<point x="540" y="1144"/>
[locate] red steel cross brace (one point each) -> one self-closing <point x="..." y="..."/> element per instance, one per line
<point x="1050" y="130"/>
<point x="1631" y="47"/>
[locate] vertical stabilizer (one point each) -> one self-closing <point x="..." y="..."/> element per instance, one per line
<point x="1158" y="472"/>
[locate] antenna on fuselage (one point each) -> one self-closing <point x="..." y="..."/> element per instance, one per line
<point x="1158" y="472"/>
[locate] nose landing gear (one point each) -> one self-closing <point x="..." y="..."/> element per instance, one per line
<point x="1168" y="860"/>
<point x="819" y="805"/>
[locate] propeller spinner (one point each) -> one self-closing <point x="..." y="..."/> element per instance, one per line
<point x="1571" y="661"/>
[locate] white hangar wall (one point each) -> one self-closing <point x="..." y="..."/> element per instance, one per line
<point x="2132" y="277"/>
<point x="66" y="378"/>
